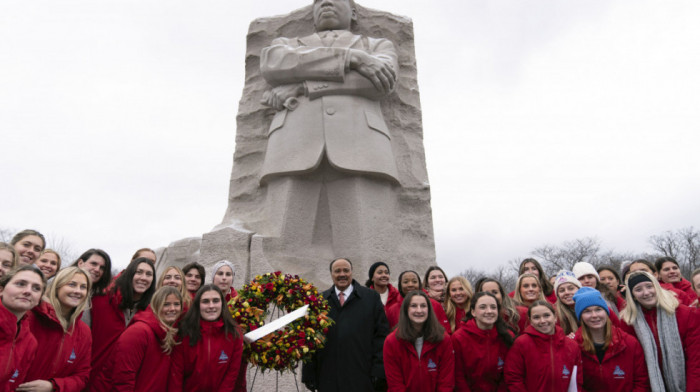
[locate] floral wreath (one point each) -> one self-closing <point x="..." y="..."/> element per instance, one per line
<point x="299" y="340"/>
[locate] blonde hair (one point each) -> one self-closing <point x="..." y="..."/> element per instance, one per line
<point x="451" y="307"/>
<point x="519" y="297"/>
<point x="566" y="316"/>
<point x="58" y="257"/>
<point x="665" y="300"/>
<point x="157" y="303"/>
<point x="62" y="278"/>
<point x="186" y="297"/>
<point x="13" y="251"/>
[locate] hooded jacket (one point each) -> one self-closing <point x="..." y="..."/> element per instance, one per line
<point x="542" y="363"/>
<point x="623" y="368"/>
<point x="18" y="348"/>
<point x="479" y="359"/>
<point x="138" y="362"/>
<point x="65" y="356"/>
<point x="432" y="372"/>
<point x="108" y="323"/>
<point x="212" y="364"/>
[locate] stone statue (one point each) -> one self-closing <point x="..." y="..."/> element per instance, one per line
<point x="329" y="158"/>
<point x="329" y="165"/>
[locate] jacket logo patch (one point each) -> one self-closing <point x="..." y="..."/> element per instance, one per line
<point x="565" y="372"/>
<point x="223" y="357"/>
<point x="618" y="373"/>
<point x="432" y="367"/>
<point x="72" y="356"/>
<point x="14" y="376"/>
<point x="500" y="362"/>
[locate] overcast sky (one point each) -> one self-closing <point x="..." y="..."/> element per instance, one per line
<point x="544" y="121"/>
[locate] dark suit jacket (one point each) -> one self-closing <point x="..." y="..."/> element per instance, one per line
<point x="341" y="115"/>
<point x="353" y="351"/>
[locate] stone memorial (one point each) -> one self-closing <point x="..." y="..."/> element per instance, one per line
<point x="329" y="159"/>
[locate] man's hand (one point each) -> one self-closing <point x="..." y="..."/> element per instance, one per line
<point x="36" y="386"/>
<point x="276" y="97"/>
<point x="378" y="71"/>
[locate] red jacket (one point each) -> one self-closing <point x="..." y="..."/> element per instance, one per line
<point x="687" y="288"/>
<point x="405" y="372"/>
<point x="65" y="356"/>
<point x="18" y="348"/>
<point x="392" y="314"/>
<point x="682" y="295"/>
<point x="623" y="368"/>
<point x="138" y="362"/>
<point x="479" y="359"/>
<point x="459" y="317"/>
<point x="689" y="329"/>
<point x="108" y="323"/>
<point x="538" y="362"/>
<point x="212" y="364"/>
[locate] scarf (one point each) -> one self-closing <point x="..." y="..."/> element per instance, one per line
<point x="671" y="351"/>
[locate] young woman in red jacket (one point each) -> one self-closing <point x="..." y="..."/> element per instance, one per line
<point x="174" y="277"/>
<point x="645" y="265"/>
<point x="20" y="291"/>
<point x="613" y="360"/>
<point x="668" y="332"/>
<point x="209" y="357"/>
<point x="379" y="276"/>
<point x="64" y="361"/>
<point x="533" y="267"/>
<point x="514" y="315"/>
<point x="222" y="277"/>
<point x="543" y="358"/>
<point x="141" y="358"/>
<point x="8" y="258"/>
<point x="112" y="312"/>
<point x="410" y="281"/>
<point x="458" y="294"/>
<point x="481" y="346"/>
<point x="194" y="277"/>
<point x="670" y="273"/>
<point x="528" y="289"/>
<point x="418" y="355"/>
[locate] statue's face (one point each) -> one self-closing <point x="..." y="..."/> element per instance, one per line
<point x="333" y="14"/>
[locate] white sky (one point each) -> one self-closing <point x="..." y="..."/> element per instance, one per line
<point x="544" y="120"/>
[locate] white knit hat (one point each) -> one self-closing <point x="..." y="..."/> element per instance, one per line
<point x="565" y="276"/>
<point x="583" y="268"/>
<point x="220" y="264"/>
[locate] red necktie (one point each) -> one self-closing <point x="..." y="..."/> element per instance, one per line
<point x="341" y="298"/>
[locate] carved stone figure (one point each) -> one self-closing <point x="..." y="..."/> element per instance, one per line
<point x="329" y="158"/>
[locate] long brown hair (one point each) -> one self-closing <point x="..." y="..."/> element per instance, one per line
<point x="431" y="331"/>
<point x="545" y="285"/>
<point x="587" y="336"/>
<point x="509" y="312"/>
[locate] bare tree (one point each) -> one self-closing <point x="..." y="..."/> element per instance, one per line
<point x="563" y="257"/>
<point x="683" y="245"/>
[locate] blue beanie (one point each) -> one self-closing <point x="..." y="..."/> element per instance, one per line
<point x="586" y="297"/>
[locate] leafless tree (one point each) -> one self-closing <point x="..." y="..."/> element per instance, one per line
<point x="683" y="245"/>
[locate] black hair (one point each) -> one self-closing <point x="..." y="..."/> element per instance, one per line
<point x="98" y="288"/>
<point x="420" y="285"/>
<point x="198" y="267"/>
<point x="330" y="267"/>
<point x="124" y="285"/>
<point x="501" y="327"/>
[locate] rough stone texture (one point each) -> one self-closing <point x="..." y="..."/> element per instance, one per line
<point x="238" y="237"/>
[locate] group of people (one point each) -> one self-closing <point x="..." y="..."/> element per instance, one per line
<point x="586" y="329"/>
<point x="84" y="330"/>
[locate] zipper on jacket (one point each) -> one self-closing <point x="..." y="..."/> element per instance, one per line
<point x="551" y="359"/>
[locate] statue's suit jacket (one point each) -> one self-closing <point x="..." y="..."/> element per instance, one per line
<point x="341" y="115"/>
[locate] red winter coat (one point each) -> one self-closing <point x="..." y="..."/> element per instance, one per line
<point x="459" y="317"/>
<point x="138" y="362"/>
<point x="392" y="314"/>
<point x="689" y="330"/>
<point x="682" y="296"/>
<point x="479" y="359"/>
<point x="212" y="364"/>
<point x="623" y="368"/>
<point x="433" y="372"/>
<point x="108" y="323"/>
<point x="394" y="296"/>
<point x="65" y="356"/>
<point x="539" y="362"/>
<point x="17" y="349"/>
<point x="687" y="288"/>
<point x="230" y="295"/>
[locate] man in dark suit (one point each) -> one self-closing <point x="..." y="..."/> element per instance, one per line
<point x="329" y="165"/>
<point x="352" y="357"/>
